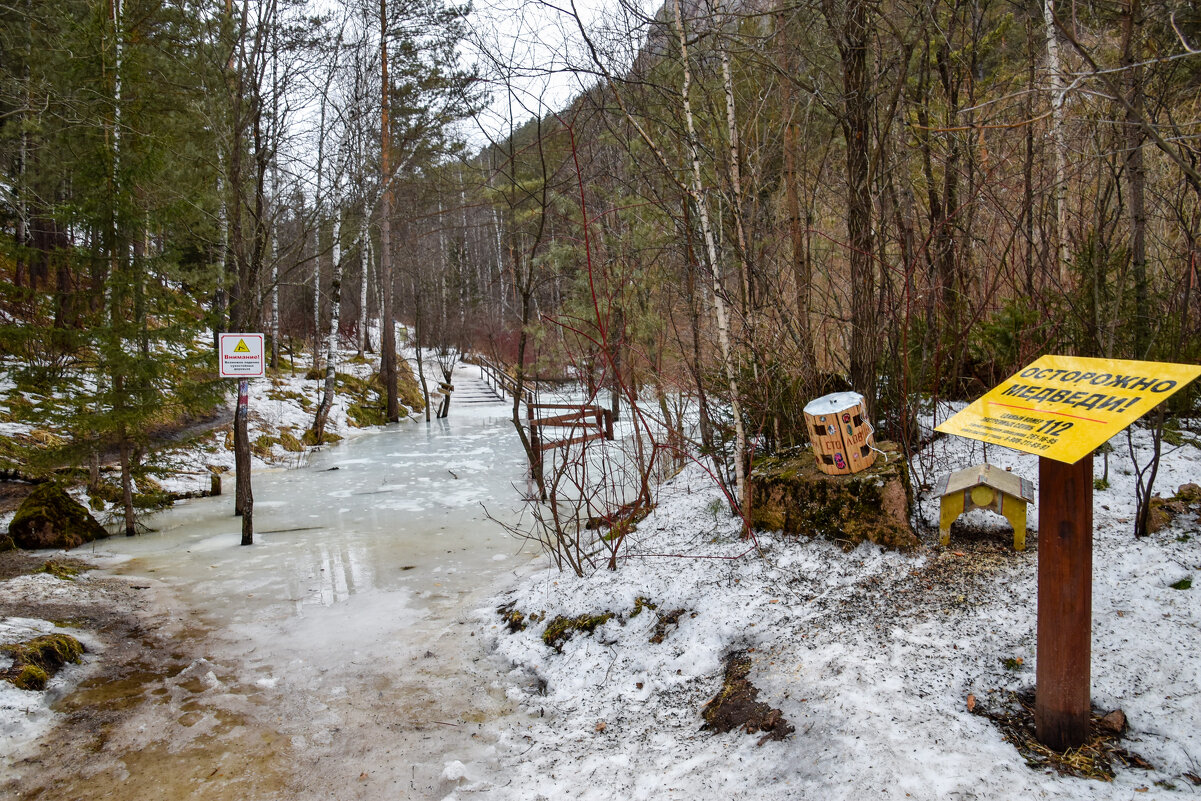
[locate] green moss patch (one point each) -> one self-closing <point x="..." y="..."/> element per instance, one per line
<point x="408" y="388"/>
<point x="262" y="445"/>
<point x="285" y="395"/>
<point x="50" y="518"/>
<point x="367" y="401"/>
<point x="36" y="660"/>
<point x="641" y="603"/>
<point x="792" y="495"/>
<point x="30" y="677"/>
<point x="515" y="620"/>
<point x="362" y="415"/>
<point x="562" y="628"/>
<point x="67" y="571"/>
<point x="328" y="438"/>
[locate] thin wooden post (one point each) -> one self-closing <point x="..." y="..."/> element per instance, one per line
<point x="609" y="424"/>
<point x="1065" y="602"/>
<point x="535" y="443"/>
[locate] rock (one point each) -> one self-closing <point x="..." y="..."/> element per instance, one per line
<point x="50" y="518"/>
<point x="1113" y="723"/>
<point x="793" y="496"/>
<point x="1162" y="513"/>
<point x="1189" y="493"/>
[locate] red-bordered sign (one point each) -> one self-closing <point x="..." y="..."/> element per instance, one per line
<point x="241" y="355"/>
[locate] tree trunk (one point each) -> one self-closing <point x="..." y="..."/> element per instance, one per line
<point x="364" y="262"/>
<point x="853" y="33"/>
<point x="1059" y="142"/>
<point x="244" y="495"/>
<point x="802" y="274"/>
<point x="736" y="199"/>
<point x="1135" y="174"/>
<point x="126" y="483"/>
<point x="419" y="335"/>
<point x="742" y="487"/>
<point x="331" y="343"/>
<point x="387" y="313"/>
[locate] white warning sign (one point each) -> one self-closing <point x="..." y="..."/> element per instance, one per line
<point x="241" y="355"/>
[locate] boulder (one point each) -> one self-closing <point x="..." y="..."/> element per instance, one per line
<point x="791" y="495"/>
<point x="1189" y="493"/>
<point x="1163" y="512"/>
<point x="50" y="518"/>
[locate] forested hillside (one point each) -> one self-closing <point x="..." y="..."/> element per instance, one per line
<point x="747" y="205"/>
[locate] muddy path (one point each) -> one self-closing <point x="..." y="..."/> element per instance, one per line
<point x="144" y="721"/>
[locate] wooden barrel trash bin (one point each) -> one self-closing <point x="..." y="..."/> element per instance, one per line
<point x="842" y="437"/>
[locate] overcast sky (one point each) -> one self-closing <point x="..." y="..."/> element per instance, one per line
<point x="534" y="58"/>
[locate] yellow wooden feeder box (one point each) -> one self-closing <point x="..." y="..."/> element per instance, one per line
<point x="984" y="487"/>
<point x="840" y="433"/>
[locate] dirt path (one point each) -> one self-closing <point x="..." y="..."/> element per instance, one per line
<point x="152" y="718"/>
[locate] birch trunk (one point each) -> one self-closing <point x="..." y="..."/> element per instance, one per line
<point x="364" y="264"/>
<point x="742" y="503"/>
<point x="736" y="202"/>
<point x="1059" y="142"/>
<point x="331" y="341"/>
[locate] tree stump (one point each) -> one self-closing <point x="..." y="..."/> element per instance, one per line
<point x="792" y="495"/>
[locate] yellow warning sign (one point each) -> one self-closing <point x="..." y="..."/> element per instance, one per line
<point x="1064" y="407"/>
<point x="241" y="347"/>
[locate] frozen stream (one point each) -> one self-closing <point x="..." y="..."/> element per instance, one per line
<point x="339" y="643"/>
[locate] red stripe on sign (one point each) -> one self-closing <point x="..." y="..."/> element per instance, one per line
<point x="1048" y="411"/>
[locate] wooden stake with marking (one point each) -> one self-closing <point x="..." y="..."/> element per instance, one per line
<point x="1065" y="602"/>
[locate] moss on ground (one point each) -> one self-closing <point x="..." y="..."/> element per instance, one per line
<point x="561" y="628"/>
<point x="641" y="603"/>
<point x="367" y="401"/>
<point x="36" y="660"/>
<point x="328" y="438"/>
<point x="792" y="495"/>
<point x="50" y="518"/>
<point x="261" y="447"/>
<point x="515" y="620"/>
<point x="60" y="570"/>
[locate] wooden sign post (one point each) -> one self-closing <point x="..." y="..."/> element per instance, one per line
<point x="1065" y="602"/>
<point x="1061" y="409"/>
<point x="241" y="356"/>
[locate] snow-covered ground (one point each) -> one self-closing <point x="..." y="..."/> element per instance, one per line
<point x="871" y="655"/>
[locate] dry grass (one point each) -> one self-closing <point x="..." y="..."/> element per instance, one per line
<point x="1013" y="714"/>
